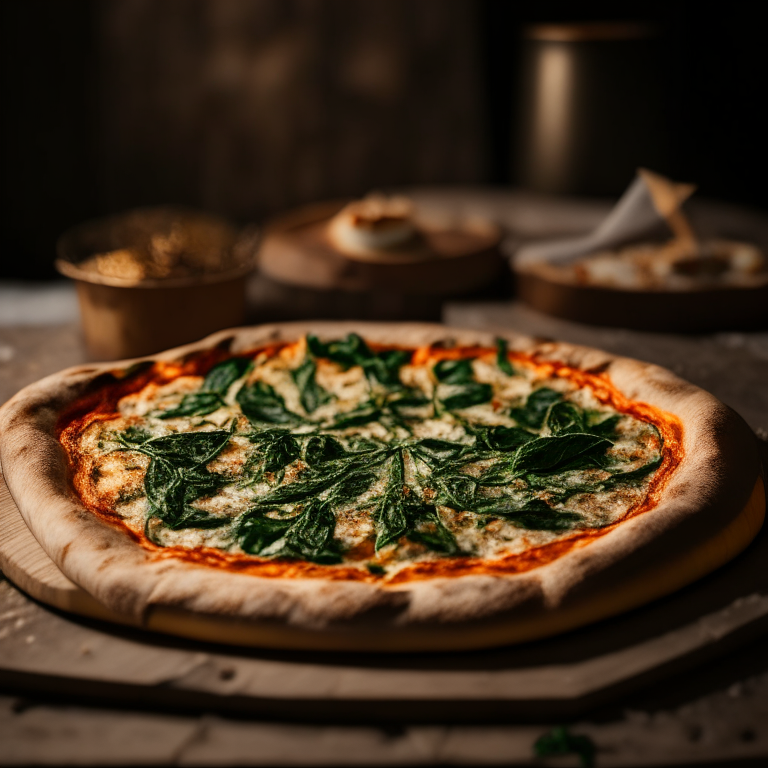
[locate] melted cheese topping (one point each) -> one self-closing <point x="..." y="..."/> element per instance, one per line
<point x="513" y="507"/>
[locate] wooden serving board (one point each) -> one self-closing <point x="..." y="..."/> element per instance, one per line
<point x="458" y="257"/>
<point x="558" y="677"/>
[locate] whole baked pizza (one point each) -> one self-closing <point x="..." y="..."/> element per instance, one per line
<point x="378" y="487"/>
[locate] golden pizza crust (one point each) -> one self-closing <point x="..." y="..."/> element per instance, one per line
<point x="704" y="517"/>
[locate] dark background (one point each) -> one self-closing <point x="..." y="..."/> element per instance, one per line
<point x="251" y="107"/>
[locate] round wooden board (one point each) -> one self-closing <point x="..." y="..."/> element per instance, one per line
<point x="456" y="258"/>
<point x="703" y="310"/>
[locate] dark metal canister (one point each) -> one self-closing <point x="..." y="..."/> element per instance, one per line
<point x="590" y="107"/>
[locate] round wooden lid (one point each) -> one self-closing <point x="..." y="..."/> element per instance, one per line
<point x="453" y="257"/>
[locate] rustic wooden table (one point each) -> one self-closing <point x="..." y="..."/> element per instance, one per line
<point x="78" y="692"/>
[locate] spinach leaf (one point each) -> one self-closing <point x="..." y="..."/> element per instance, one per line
<point x="164" y="490"/>
<point x="502" y="358"/>
<point x="347" y="477"/>
<point x="279" y="453"/>
<point x="564" y="418"/>
<point x="133" y="436"/>
<point x="433" y="450"/>
<point x="389" y="512"/>
<point x="304" y="489"/>
<point x="211" y="394"/>
<point x="604" y="428"/>
<point x="393" y="360"/>
<point x="532" y="514"/>
<point x="633" y="476"/>
<point x="457" y="387"/>
<point x="257" y="532"/>
<point x="389" y="518"/>
<point x="456" y="491"/>
<point x="347" y="352"/>
<point x="408" y="398"/>
<point x="222" y="376"/>
<point x="534" y="412"/>
<point x="351" y="486"/>
<point x="311" y="536"/>
<point x="262" y="404"/>
<point x="365" y="445"/>
<point x="507" y="438"/>
<point x="187" y="449"/>
<point x="319" y="449"/>
<point x="383" y="367"/>
<point x="194" y="404"/>
<point x="177" y="475"/>
<point x="311" y="394"/>
<point x="362" y="414"/>
<point x="192" y="517"/>
<point x="396" y="515"/>
<point x="308" y="535"/>
<point x="454" y="371"/>
<point x="198" y="481"/>
<point x="500" y="473"/>
<point x="467" y="395"/>
<point x="170" y="491"/>
<point x="547" y="455"/>
<point x="425" y="527"/>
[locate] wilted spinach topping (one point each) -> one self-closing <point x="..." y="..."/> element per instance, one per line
<point x="305" y="469"/>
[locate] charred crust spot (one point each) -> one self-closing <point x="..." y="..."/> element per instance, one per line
<point x="226" y="344"/>
<point x="136" y="368"/>
<point x="600" y="368"/>
<point x="101" y="381"/>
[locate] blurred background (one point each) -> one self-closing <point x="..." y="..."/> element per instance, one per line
<point x="250" y="107"/>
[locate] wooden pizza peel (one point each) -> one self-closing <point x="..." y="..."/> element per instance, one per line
<point x="79" y="648"/>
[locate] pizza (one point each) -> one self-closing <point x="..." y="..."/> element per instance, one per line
<point x="380" y="487"/>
